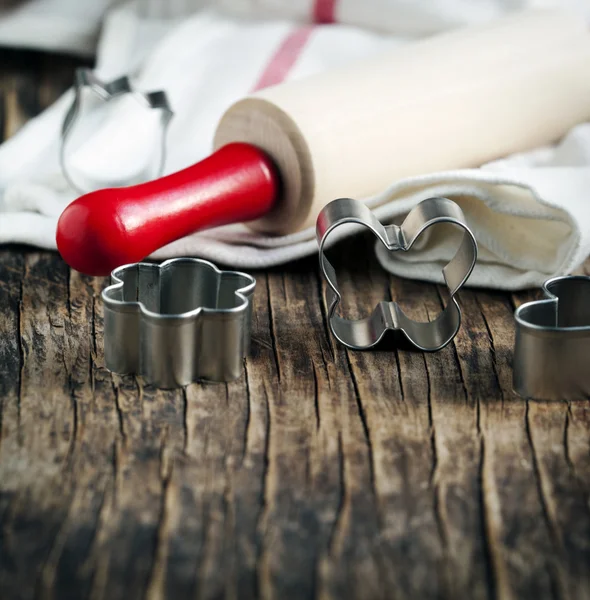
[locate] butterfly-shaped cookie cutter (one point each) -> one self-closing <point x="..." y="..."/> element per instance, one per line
<point x="178" y="322"/>
<point x="388" y="316"/>
<point x="107" y="91"/>
<point x="552" y="345"/>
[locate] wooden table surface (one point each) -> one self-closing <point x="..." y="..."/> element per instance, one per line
<point x="320" y="473"/>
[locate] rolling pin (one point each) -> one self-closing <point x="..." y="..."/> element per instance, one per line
<point x="453" y="101"/>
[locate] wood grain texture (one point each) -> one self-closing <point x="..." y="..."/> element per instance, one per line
<point x="321" y="473"/>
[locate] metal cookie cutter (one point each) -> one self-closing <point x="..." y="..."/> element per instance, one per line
<point x="552" y="348"/>
<point x="177" y="322"/>
<point x="365" y="333"/>
<point x="107" y="91"/>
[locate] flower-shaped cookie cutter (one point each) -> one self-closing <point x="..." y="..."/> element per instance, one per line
<point x="388" y="316"/>
<point x="552" y="345"/>
<point x="178" y="322"/>
<point x="107" y="91"/>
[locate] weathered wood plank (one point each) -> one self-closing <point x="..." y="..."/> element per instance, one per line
<point x="302" y="483"/>
<point x="11" y="272"/>
<point x="89" y="462"/>
<point x="393" y="407"/>
<point x="457" y="456"/>
<point x="139" y="458"/>
<point x="516" y="521"/>
<point x="45" y="422"/>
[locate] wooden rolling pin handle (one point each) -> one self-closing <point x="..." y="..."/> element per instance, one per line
<point x="112" y="227"/>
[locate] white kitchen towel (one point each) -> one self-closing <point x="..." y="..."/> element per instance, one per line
<point x="58" y="25"/>
<point x="529" y="212"/>
<point x="73" y="26"/>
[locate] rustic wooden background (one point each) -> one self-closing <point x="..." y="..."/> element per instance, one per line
<point x="321" y="473"/>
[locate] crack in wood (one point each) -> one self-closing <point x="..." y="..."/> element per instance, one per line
<point x="272" y="330"/>
<point x="495" y="581"/>
<point x="337" y="529"/>
<point x="74" y="433"/>
<point x="22" y="358"/>
<point x="68" y="292"/>
<point x="565" y="440"/>
<point x="324" y="315"/>
<point x="93" y="325"/>
<point x="492" y="348"/>
<point x="185" y="425"/>
<point x="366" y="430"/>
<point x="156" y="579"/>
<point x="316" y="397"/>
<point x="261" y="582"/>
<point x="547" y="511"/>
<point x="98" y="559"/>
<point x="119" y="410"/>
<point x="248" y="415"/>
<point x="229" y="521"/>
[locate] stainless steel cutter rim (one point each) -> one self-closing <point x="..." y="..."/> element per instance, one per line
<point x="208" y="341"/>
<point x="551" y="359"/>
<point x="397" y="243"/>
<point x="86" y="78"/>
<point x="550" y="298"/>
<point x="240" y="293"/>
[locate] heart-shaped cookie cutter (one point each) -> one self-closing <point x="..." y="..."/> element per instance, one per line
<point x="552" y="344"/>
<point x="388" y="316"/>
<point x="178" y="322"/>
<point x="85" y="78"/>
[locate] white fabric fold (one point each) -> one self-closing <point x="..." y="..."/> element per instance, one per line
<point x="529" y="212"/>
<point x="58" y="25"/>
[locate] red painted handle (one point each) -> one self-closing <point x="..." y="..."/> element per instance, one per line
<point x="109" y="228"/>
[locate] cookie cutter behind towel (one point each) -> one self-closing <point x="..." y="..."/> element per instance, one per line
<point x="86" y="79"/>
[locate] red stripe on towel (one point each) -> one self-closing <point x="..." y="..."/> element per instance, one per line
<point x="284" y="58"/>
<point x="324" y="11"/>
